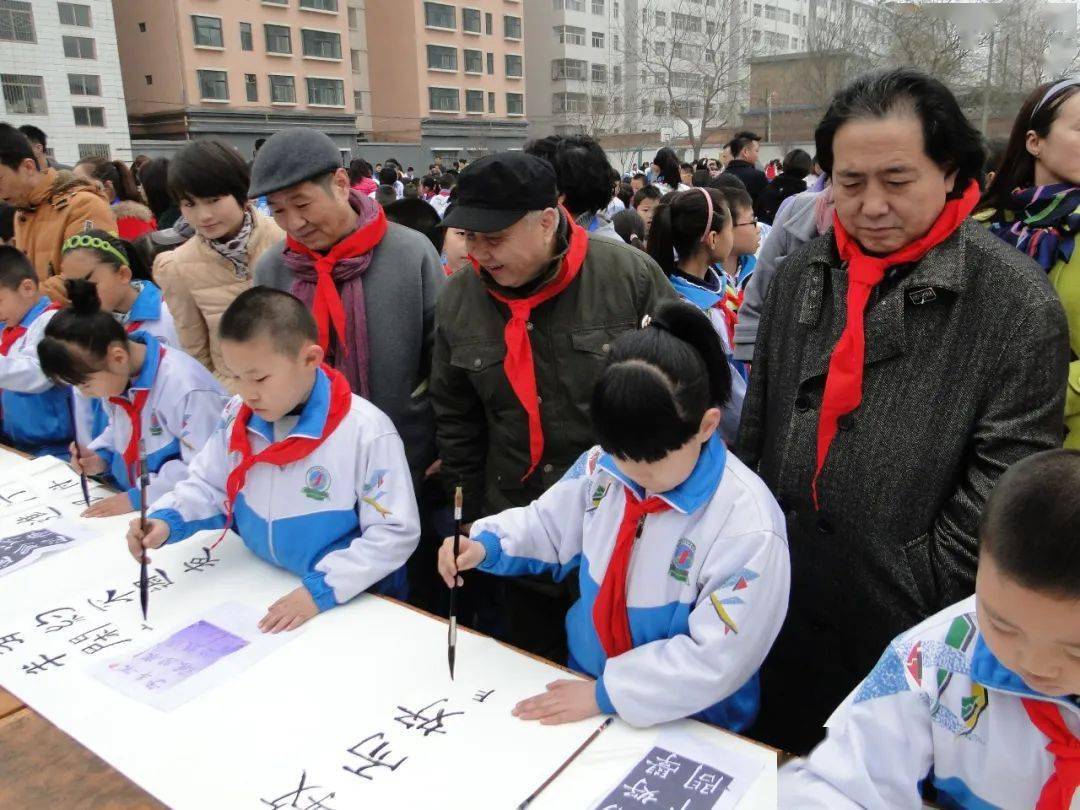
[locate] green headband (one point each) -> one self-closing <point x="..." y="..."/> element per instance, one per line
<point x="82" y="240"/>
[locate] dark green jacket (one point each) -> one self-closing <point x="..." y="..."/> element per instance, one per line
<point x="481" y="428"/>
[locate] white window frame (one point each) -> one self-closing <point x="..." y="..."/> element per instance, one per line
<point x="483" y="101"/>
<point x="270" y="88"/>
<point x="438" y="27"/>
<point x="89" y="12"/>
<point x="307" y="89"/>
<point x="479" y="31"/>
<point x="321" y="58"/>
<point x="221" y="29"/>
<point x="198" y="80"/>
<point x="444" y="112"/>
<point x="334" y="13"/>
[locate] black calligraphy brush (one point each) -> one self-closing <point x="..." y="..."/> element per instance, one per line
<point x="82" y="475"/>
<point x="566" y="764"/>
<point x="451" y="649"/>
<point x="144" y="482"/>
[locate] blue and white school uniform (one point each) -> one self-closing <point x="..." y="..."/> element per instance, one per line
<point x="343" y="519"/>
<point x="708" y="296"/>
<point x="37" y="414"/>
<point x="940" y="710"/>
<point x="182" y="409"/>
<point x="707" y="584"/>
<point x="150" y="314"/>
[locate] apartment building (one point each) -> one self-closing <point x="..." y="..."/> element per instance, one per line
<point x="356" y="16"/>
<point x="238" y="70"/>
<point x="59" y="71"/>
<point x="449" y="76"/>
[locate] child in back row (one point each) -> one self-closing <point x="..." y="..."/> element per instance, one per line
<point x="314" y="478"/>
<point x="977" y="707"/>
<point x="36" y="413"/>
<point x="156" y="398"/>
<point x="681" y="550"/>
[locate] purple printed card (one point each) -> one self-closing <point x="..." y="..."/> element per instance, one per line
<point x="178" y="657"/>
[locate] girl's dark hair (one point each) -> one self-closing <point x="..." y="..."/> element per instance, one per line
<point x="359" y="169"/>
<point x="115" y="172"/>
<point x="209" y="168"/>
<point x="668" y="162"/>
<point x="658" y="383"/>
<point x="154" y="177"/>
<point x="625" y="192"/>
<point x="701" y="177"/>
<point x="680" y="222"/>
<point x="798" y="163"/>
<point x="630" y="227"/>
<point x="1017" y="167"/>
<point x="84" y="325"/>
<point x="136" y="261"/>
<point x="949" y="139"/>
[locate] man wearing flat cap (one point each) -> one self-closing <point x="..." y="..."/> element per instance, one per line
<point x="371" y="284"/>
<point x="521" y="337"/>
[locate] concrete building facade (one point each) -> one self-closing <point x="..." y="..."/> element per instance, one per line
<point x="60" y="72"/>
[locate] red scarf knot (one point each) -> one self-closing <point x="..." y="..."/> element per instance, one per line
<point x="1057" y="793"/>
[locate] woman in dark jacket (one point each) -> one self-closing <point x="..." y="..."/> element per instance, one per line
<point x="791" y="181"/>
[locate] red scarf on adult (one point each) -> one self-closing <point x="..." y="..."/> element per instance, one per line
<point x="843" y="384"/>
<point x="327" y="307"/>
<point x="1057" y="793"/>
<point x="286" y="451"/>
<point x="609" y="610"/>
<point x="134" y="410"/>
<point x="518" y="364"/>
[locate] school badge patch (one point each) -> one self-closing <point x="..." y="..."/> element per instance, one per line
<point x="971" y="708"/>
<point x="598" y="496"/>
<point x="155" y="425"/>
<point x="682" y="560"/>
<point x="317" y="480"/>
<point x="372" y="492"/>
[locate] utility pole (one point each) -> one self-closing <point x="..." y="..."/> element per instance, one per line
<point x="989" y="81"/>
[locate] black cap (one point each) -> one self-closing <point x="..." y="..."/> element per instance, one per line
<point x="497" y="190"/>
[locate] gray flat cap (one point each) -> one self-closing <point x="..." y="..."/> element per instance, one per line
<point x="290" y="157"/>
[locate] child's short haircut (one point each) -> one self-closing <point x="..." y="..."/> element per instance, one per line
<point x="15" y="268"/>
<point x="646" y="193"/>
<point x="265" y="311"/>
<point x="1031" y="523"/>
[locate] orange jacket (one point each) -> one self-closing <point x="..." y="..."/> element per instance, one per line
<point x="60" y="206"/>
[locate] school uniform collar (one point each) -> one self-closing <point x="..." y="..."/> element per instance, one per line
<point x="990" y="672"/>
<point x="312" y="417"/>
<point x="702" y="293"/>
<point x="35" y="311"/>
<point x="148" y="373"/>
<point x="695" y="491"/>
<point x="147" y="306"/>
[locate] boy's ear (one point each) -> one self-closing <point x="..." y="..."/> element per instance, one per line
<point x="312" y="355"/>
<point x="28" y="287"/>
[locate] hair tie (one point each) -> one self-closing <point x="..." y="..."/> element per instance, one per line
<point x="85" y="240"/>
<point x="708" y="219"/>
<point x="1053" y="91"/>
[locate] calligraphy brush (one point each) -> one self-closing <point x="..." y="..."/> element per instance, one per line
<point x="82" y="475"/>
<point x="144" y="482"/>
<point x="566" y="764"/>
<point x="451" y="647"/>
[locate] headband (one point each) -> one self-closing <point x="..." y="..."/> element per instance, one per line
<point x="1053" y="91"/>
<point x="84" y="240"/>
<point x="708" y="219"/>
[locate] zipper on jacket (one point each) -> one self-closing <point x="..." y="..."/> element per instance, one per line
<point x="270" y="519"/>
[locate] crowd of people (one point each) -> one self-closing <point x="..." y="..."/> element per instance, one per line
<point x="774" y="421"/>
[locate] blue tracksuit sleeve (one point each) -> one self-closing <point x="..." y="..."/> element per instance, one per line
<point x="736" y="618"/>
<point x="389" y="526"/>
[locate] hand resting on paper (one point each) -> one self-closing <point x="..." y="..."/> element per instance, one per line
<point x="86" y="462"/>
<point x="157" y="532"/>
<point x="470" y="554"/>
<point x="289" y="612"/>
<point x="565" y="701"/>
<point x="119" y="504"/>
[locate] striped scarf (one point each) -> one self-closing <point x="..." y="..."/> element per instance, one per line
<point x="1042" y="222"/>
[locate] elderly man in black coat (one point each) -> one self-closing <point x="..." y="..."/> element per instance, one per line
<point x="904" y="360"/>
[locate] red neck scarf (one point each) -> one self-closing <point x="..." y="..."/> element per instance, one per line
<point x="133" y="326"/>
<point x="327" y="307"/>
<point x="519" y="367"/>
<point x="286" y="451"/>
<point x="134" y="410"/>
<point x="609" y="611"/>
<point x="1057" y="793"/>
<point x="12" y="333"/>
<point x="843" y="384"/>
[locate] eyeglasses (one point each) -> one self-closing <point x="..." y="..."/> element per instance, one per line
<point x="754" y="221"/>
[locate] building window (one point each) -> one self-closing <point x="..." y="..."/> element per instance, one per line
<point x="615" y="9"/>
<point x="358" y="100"/>
<point x="94" y="150"/>
<point x="470" y="20"/>
<point x="597" y="39"/>
<point x="89" y="116"/>
<point x="24" y="95"/>
<point x="439" y="15"/>
<point x="569" y="69"/>
<point x="439" y="57"/>
<point x="599" y="73"/>
<point x="443" y="99"/>
<point x="213" y="85"/>
<point x="251" y="87"/>
<point x="321" y="44"/>
<point x="149" y="79"/>
<point x="278" y="38"/>
<point x="326" y="92"/>
<point x="569" y="5"/>
<point x="354" y="18"/>
<point x="685" y="22"/>
<point x="282" y="89"/>
<point x="16" y="21"/>
<point x="247" y="42"/>
<point x="474" y="61"/>
<point x="319" y="5"/>
<point x="569" y="35"/>
<point x="515" y="104"/>
<point x="84" y="84"/>
<point x="489" y="24"/>
<point x="474" y="101"/>
<point x="142" y="28"/>
<point x="275" y="2"/>
<point x="511" y="27"/>
<point x="615" y="42"/>
<point x="661" y="19"/>
<point x="598" y="7"/>
<point x="567" y="102"/>
<point x="659" y="108"/>
<point x="491" y="103"/>
<point x="207" y="31"/>
<point x="491" y="64"/>
<point x="513" y="66"/>
<point x="354" y="56"/>
<point x="80" y="48"/>
<point x="74" y="14"/>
